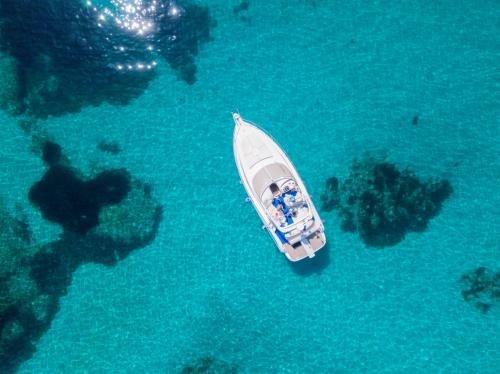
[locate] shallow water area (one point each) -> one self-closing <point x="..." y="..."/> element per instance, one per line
<point x="329" y="82"/>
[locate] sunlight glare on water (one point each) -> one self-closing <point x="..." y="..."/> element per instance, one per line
<point x="138" y="18"/>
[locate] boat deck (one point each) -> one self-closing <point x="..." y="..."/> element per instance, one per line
<point x="299" y="252"/>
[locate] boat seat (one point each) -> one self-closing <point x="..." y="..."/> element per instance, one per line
<point x="267" y="197"/>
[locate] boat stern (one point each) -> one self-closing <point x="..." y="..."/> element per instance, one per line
<point x="303" y="245"/>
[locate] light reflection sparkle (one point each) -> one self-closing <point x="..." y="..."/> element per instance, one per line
<point x="138" y="18"/>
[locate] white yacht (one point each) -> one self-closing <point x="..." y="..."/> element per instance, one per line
<point x="277" y="192"/>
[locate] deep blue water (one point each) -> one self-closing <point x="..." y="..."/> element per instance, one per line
<point x="330" y="81"/>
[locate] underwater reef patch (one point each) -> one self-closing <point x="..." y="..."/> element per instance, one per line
<point x="25" y="310"/>
<point x="382" y="203"/>
<point x="9" y="86"/>
<point x="241" y="10"/>
<point x="89" y="54"/>
<point x="481" y="287"/>
<point x="104" y="218"/>
<point x="180" y="35"/>
<point x="109" y="147"/>
<point x="241" y="7"/>
<point x="210" y="365"/>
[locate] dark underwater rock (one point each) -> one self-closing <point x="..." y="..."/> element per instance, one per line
<point x="51" y="153"/>
<point x="210" y="365"/>
<point x="86" y="56"/>
<point x="382" y="203"/>
<point x="481" y="287"/>
<point x="109" y="147"/>
<point x="64" y="198"/>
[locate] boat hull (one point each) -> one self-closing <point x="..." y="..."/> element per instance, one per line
<point x="260" y="160"/>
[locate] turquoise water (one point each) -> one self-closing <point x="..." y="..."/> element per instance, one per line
<point x="329" y="81"/>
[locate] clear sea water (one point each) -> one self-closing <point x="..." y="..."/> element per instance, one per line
<point x="329" y="80"/>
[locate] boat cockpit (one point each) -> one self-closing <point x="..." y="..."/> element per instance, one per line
<point x="285" y="203"/>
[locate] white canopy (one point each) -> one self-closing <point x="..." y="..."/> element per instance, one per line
<point x="269" y="174"/>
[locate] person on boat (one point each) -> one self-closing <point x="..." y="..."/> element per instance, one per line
<point x="275" y="190"/>
<point x="279" y="202"/>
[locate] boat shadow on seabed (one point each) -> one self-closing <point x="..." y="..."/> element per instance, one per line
<point x="313" y="265"/>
